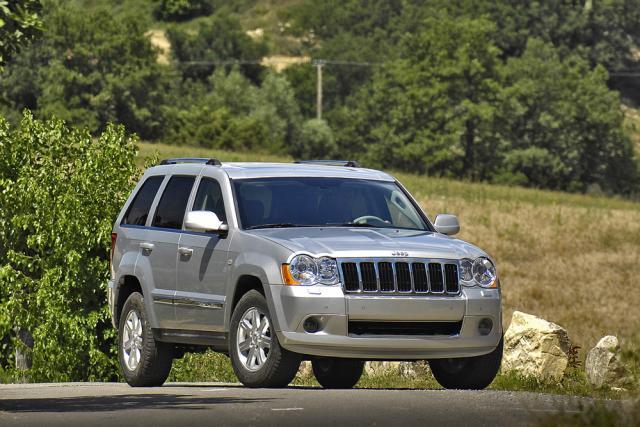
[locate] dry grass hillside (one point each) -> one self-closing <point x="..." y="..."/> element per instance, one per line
<point x="573" y="259"/>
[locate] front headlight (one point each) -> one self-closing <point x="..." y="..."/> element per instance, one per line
<point x="306" y="270"/>
<point x="480" y="271"/>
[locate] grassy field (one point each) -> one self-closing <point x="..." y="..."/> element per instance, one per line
<point x="572" y="259"/>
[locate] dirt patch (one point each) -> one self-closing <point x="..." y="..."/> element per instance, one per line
<point x="280" y="62"/>
<point x="159" y="40"/>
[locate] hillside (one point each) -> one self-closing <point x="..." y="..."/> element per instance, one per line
<point x="573" y="259"/>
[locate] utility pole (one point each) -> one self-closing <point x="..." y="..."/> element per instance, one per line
<point x="319" y="63"/>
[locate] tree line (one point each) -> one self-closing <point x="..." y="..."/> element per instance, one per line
<point x="506" y="92"/>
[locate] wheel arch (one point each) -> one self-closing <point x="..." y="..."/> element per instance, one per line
<point x="128" y="284"/>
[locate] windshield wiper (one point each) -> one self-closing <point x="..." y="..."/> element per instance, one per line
<point x="276" y="225"/>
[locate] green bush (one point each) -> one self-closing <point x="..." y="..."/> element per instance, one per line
<point x="19" y="24"/>
<point x="178" y="10"/>
<point x="234" y="114"/>
<point x="60" y="190"/>
<point x="316" y="141"/>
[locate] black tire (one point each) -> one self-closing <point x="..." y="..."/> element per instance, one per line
<point x="469" y="373"/>
<point x="337" y="373"/>
<point x="280" y="366"/>
<point x="156" y="358"/>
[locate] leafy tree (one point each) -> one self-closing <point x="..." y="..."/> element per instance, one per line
<point x="60" y="190"/>
<point x="433" y="111"/>
<point x="233" y="113"/>
<point x="90" y="69"/>
<point x="179" y="10"/>
<point x="316" y="141"/>
<point x="19" y="24"/>
<point x="563" y="125"/>
<point x="219" y="38"/>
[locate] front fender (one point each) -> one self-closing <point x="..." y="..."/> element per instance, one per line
<point x="257" y="265"/>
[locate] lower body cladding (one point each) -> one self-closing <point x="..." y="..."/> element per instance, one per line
<point x="323" y="321"/>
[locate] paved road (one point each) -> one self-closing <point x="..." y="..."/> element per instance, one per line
<point x="208" y="404"/>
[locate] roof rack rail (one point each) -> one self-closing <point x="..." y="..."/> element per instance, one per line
<point x="205" y="160"/>
<point x="345" y="163"/>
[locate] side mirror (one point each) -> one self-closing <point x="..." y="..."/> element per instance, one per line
<point x="204" y="221"/>
<point x="447" y="224"/>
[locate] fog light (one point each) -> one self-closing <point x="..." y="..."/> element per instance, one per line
<point x="311" y="325"/>
<point x="485" y="326"/>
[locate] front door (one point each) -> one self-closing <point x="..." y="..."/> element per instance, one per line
<point x="202" y="267"/>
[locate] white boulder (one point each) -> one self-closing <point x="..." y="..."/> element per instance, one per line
<point x="603" y="366"/>
<point x="535" y="347"/>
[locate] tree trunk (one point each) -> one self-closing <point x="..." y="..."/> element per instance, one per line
<point x="23" y="355"/>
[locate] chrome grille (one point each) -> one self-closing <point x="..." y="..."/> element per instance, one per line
<point x="406" y="276"/>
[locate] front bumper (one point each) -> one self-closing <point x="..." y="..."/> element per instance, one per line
<point x="294" y="304"/>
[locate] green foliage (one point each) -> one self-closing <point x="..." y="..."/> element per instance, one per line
<point x="432" y="112"/>
<point x="89" y="69"/>
<point x="178" y="10"/>
<point x="217" y="38"/>
<point x="19" y="24"/>
<point x="563" y="126"/>
<point x="602" y="32"/>
<point x="60" y="190"/>
<point x="316" y="141"/>
<point x="208" y="366"/>
<point x="235" y="114"/>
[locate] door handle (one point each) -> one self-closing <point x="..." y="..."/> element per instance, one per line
<point x="146" y="248"/>
<point x="185" y="251"/>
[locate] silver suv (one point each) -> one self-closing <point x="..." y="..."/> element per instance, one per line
<point x="273" y="264"/>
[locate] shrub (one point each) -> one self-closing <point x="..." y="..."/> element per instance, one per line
<point x="235" y="114"/>
<point x="179" y="10"/>
<point x="316" y="141"/>
<point x="60" y="190"/>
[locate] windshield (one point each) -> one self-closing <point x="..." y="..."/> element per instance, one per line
<point x="314" y="202"/>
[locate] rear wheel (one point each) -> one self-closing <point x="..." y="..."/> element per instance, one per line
<point x="144" y="361"/>
<point x="467" y="373"/>
<point x="257" y="358"/>
<point x="337" y="373"/>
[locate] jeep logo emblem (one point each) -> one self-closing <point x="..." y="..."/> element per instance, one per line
<point x="400" y="253"/>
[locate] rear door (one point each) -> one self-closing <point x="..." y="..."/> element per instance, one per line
<point x="136" y="238"/>
<point x="161" y="246"/>
<point x="202" y="266"/>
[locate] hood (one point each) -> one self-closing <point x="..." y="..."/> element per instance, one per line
<point x="345" y="242"/>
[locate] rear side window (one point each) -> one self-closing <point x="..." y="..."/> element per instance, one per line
<point x="209" y="198"/>
<point x="173" y="203"/>
<point x="139" y="208"/>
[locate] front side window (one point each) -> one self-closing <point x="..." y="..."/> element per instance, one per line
<point x="173" y="203"/>
<point x="319" y="202"/>
<point x="209" y="198"/>
<point x="139" y="209"/>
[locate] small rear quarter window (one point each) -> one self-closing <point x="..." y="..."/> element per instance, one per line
<point x="138" y="210"/>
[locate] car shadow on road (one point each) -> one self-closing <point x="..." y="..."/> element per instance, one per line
<point x="120" y="402"/>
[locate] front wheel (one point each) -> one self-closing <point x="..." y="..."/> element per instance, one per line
<point x="144" y="361"/>
<point x="257" y="358"/>
<point x="467" y="373"/>
<point x="337" y="373"/>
